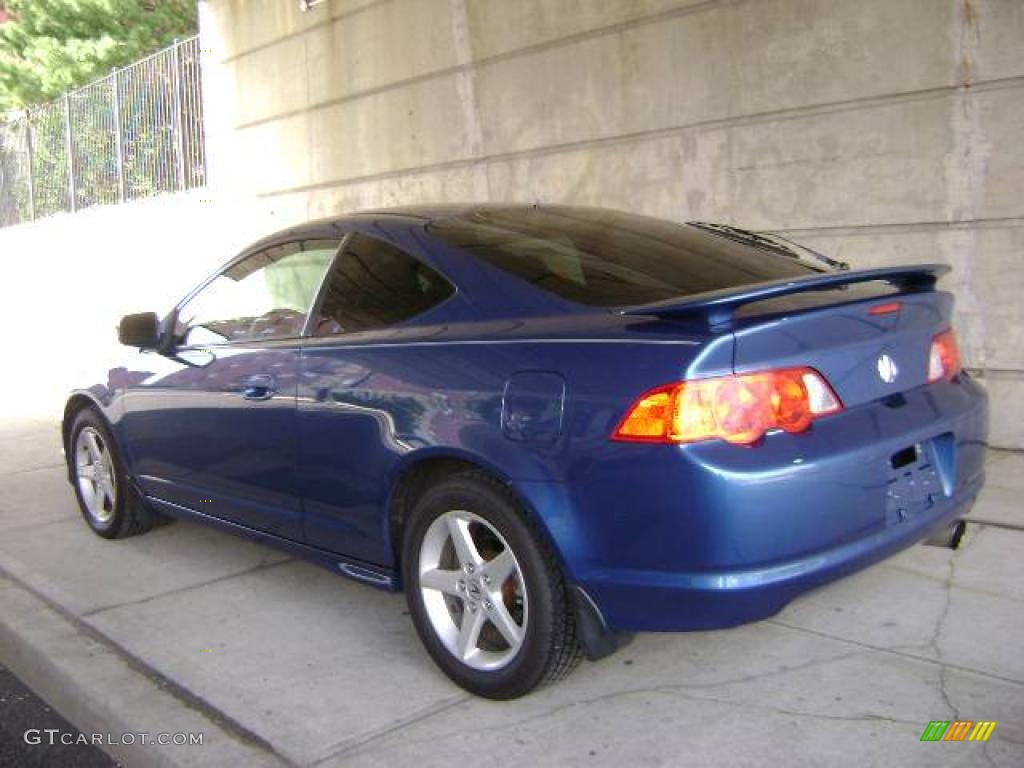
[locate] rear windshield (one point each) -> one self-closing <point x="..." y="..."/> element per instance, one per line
<point x="608" y="258"/>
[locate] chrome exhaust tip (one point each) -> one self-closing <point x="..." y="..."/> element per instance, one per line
<point x="949" y="537"/>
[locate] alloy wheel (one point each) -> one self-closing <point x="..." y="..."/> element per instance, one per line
<point x="473" y="590"/>
<point x="94" y="473"/>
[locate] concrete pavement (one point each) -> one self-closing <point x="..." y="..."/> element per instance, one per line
<point x="277" y="662"/>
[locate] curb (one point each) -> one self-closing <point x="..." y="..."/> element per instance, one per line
<point x="101" y="689"/>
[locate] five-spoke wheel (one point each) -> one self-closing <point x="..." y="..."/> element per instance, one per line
<point x="108" y="501"/>
<point x="473" y="590"/>
<point x="94" y="473"/>
<point x="485" y="592"/>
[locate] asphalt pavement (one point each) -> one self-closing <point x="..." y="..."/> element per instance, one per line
<point x="32" y="735"/>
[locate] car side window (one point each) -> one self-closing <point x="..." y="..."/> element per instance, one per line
<point x="374" y="285"/>
<point x="265" y="296"/>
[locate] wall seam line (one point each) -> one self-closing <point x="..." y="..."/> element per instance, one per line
<point x="653" y="134"/>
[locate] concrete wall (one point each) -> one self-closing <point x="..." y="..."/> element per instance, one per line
<point x="879" y="131"/>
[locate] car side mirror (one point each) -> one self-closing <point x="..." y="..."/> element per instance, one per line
<point x="141" y="330"/>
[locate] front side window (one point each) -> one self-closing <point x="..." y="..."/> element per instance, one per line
<point x="265" y="296"/>
<point x="374" y="285"/>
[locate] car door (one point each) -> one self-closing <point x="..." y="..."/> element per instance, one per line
<point x="212" y="425"/>
<point x="360" y="403"/>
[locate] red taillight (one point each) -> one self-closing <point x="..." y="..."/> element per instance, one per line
<point x="944" y="357"/>
<point x="738" y="408"/>
<point x="885" y="309"/>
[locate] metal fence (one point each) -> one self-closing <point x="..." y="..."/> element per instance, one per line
<point x="135" y="133"/>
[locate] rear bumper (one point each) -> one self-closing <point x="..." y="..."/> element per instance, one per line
<point x="677" y="601"/>
<point x="712" y="535"/>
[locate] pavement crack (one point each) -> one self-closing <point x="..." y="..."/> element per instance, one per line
<point x="263" y="565"/>
<point x="356" y="743"/>
<point x="680" y="690"/>
<point x="944" y="579"/>
<point x="26" y="470"/>
<point x="859" y="718"/>
<point x="934" y="642"/>
<point x="41" y="524"/>
<point x="896" y="651"/>
<point x="684" y="691"/>
<point x="988" y="758"/>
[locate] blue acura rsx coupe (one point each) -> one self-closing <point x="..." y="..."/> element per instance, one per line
<point x="552" y="426"/>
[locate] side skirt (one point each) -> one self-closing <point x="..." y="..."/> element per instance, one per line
<point x="367" y="573"/>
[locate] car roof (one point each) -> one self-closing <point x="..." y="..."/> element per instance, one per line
<point x="419" y="214"/>
<point x="337" y="226"/>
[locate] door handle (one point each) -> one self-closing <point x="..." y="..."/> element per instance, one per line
<point x="261" y="387"/>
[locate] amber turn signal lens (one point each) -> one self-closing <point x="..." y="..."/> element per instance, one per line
<point x="650" y="415"/>
<point x="738" y="409"/>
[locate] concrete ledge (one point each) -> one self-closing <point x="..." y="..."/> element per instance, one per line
<point x="100" y="688"/>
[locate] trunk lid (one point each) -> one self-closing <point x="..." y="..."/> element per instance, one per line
<point x="826" y="321"/>
<point x="864" y="357"/>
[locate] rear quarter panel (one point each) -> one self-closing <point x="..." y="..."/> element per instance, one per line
<point x="370" y="408"/>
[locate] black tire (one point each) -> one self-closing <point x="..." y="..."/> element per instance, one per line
<point x="129" y="515"/>
<point x="550" y="648"/>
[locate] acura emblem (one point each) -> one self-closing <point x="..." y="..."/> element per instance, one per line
<point x="887" y="370"/>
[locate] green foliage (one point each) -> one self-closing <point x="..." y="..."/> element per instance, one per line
<point x="53" y="45"/>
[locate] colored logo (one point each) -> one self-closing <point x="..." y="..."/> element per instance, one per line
<point x="958" y="730"/>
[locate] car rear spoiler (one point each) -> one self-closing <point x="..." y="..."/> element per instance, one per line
<point x="718" y="307"/>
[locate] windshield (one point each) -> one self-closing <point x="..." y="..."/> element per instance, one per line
<point x="609" y="258"/>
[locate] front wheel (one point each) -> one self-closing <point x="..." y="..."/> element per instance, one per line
<point x="109" y="504"/>
<point x="484" y="590"/>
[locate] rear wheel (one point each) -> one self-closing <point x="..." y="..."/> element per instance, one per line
<point x="484" y="590"/>
<point x="109" y="504"/>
